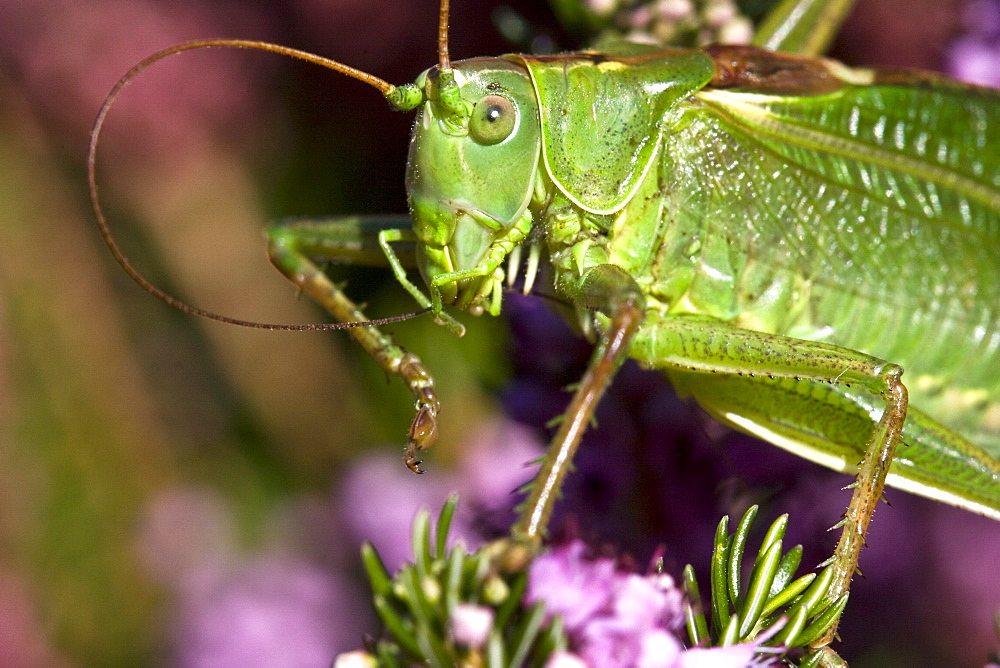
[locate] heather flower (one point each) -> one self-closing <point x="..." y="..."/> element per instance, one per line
<point x="452" y="608"/>
<point x="618" y="619"/>
<point x="471" y="624"/>
<point x="497" y="463"/>
<point x="564" y="659"/>
<point x="275" y="608"/>
<point x="975" y="56"/>
<point x="23" y="641"/>
<point x="274" y="612"/>
<point x="357" y="659"/>
<point x="570" y="586"/>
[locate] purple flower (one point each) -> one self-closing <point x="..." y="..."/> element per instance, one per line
<point x="618" y="619"/>
<point x="23" y="640"/>
<point x="975" y="56"/>
<point x="471" y="624"/>
<point x="576" y="589"/>
<point x="275" y="608"/>
<point x="276" y="612"/>
<point x="498" y="461"/>
<point x="355" y="659"/>
<point x="564" y="659"/>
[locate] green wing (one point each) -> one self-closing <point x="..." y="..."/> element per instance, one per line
<point x="867" y="216"/>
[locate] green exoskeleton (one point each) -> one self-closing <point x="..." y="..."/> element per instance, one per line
<point x="781" y="235"/>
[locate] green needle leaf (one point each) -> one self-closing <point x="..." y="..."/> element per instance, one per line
<point x="817" y="590"/>
<point x="694" y="616"/>
<point x="797" y="618"/>
<point x="759" y="588"/>
<point x="422" y="610"/>
<point x="506" y="610"/>
<point x="526" y="634"/>
<point x="786" y="569"/>
<point x="822" y="623"/>
<point x="494" y="649"/>
<point x="731" y="636"/>
<point x="739" y="543"/>
<point x="397" y="628"/>
<point x="718" y="576"/>
<point x="444" y="524"/>
<point x="553" y="638"/>
<point x="378" y="575"/>
<point x="453" y="589"/>
<point x="811" y="660"/>
<point x="787" y="594"/>
<point x="421" y="542"/>
<point x="775" y="533"/>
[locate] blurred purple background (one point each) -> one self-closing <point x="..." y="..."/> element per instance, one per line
<point x="186" y="493"/>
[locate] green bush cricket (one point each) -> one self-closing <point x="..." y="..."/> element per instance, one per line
<point x="782" y="236"/>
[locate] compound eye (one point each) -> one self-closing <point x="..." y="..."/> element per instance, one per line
<point x="493" y="119"/>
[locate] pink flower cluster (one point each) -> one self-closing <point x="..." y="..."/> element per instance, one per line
<point x="618" y="619"/>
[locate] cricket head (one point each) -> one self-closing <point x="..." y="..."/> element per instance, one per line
<point x="470" y="176"/>
<point x="472" y="166"/>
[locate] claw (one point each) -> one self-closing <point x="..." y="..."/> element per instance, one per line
<point x="410" y="458"/>
<point x="423" y="432"/>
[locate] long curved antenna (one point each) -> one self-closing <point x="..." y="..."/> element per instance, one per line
<point x="444" y="58"/>
<point x="384" y="87"/>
